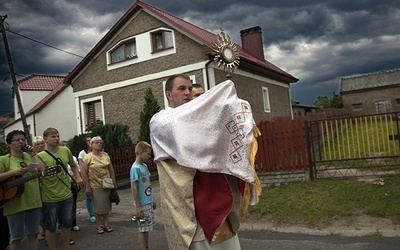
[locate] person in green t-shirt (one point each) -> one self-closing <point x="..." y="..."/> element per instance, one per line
<point x="19" y="173"/>
<point x="56" y="190"/>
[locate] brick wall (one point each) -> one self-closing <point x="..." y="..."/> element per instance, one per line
<point x="274" y="179"/>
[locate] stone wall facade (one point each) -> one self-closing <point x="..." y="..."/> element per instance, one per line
<point x="275" y="179"/>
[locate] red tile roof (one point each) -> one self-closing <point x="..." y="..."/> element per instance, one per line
<point x="196" y="33"/>
<point x="40" y="82"/>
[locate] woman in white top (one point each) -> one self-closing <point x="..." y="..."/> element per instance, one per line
<point x="86" y="149"/>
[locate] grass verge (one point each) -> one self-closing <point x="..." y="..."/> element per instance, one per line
<point x="319" y="203"/>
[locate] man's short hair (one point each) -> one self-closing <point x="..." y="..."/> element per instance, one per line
<point x="141" y="146"/>
<point x="196" y="85"/>
<point x="49" y="131"/>
<point x="170" y="82"/>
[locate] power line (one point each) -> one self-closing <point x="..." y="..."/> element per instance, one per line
<point x="4" y="80"/>
<point x="15" y="33"/>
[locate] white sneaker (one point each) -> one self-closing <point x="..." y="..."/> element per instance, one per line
<point x="75" y="228"/>
<point x="93" y="219"/>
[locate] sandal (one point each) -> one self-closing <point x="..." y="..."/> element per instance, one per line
<point x="100" y="230"/>
<point x="71" y="242"/>
<point x="108" y="229"/>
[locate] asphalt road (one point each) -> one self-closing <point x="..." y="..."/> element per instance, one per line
<point x="125" y="237"/>
<point x="125" y="234"/>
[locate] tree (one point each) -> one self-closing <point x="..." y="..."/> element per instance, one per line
<point x="337" y="101"/>
<point x="150" y="107"/>
<point x="3" y="148"/>
<point x="323" y="102"/>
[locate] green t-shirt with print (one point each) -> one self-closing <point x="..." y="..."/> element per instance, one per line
<point x="30" y="198"/>
<point x="57" y="187"/>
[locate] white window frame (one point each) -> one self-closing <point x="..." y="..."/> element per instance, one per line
<point x="120" y="44"/>
<point x="266" y="100"/>
<point x="83" y="105"/>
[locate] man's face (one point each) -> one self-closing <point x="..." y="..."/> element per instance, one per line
<point x="181" y="92"/>
<point x="52" y="139"/>
<point x="196" y="92"/>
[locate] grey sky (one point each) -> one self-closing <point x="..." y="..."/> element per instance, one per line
<point x="318" y="42"/>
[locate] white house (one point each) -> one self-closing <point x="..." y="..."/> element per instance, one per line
<point x="47" y="102"/>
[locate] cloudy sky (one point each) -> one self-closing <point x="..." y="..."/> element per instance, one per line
<point x="318" y="42"/>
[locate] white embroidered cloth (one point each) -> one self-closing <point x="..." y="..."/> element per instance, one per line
<point x="212" y="133"/>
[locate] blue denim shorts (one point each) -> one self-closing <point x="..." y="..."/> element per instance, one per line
<point x="23" y="223"/>
<point x="61" y="212"/>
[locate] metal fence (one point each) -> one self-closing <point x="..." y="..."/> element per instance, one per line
<point x="356" y="146"/>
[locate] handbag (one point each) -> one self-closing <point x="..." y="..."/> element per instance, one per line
<point x="114" y="196"/>
<point x="107" y="183"/>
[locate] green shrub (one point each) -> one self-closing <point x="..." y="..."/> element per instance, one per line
<point x="113" y="135"/>
<point x="3" y="148"/>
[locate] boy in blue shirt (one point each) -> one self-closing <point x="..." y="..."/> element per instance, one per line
<point x="142" y="192"/>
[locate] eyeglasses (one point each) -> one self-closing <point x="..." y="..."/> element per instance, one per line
<point x="18" y="140"/>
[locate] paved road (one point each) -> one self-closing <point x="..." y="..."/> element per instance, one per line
<point x="125" y="234"/>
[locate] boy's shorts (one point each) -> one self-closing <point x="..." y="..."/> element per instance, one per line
<point x="149" y="215"/>
<point x="61" y="212"/>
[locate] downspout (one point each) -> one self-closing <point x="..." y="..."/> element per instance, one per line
<point x="207" y="76"/>
<point x="34" y="123"/>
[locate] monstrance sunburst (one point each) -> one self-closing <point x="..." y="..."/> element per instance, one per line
<point x="225" y="53"/>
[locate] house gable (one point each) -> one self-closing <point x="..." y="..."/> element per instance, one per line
<point x="197" y="34"/>
<point x="52" y="106"/>
<point x="118" y="87"/>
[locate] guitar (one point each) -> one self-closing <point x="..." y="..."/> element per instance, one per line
<point x="14" y="186"/>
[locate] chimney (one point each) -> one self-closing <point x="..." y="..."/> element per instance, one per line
<point x="252" y="41"/>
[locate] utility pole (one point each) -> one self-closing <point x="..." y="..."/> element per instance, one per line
<point x="15" y="84"/>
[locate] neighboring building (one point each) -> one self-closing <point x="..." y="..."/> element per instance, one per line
<point x="145" y="47"/>
<point x="302" y="110"/>
<point x="372" y="93"/>
<point x="47" y="102"/>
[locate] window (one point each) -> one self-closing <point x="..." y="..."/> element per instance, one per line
<point x="398" y="101"/>
<point x="357" y="106"/>
<point x="161" y="40"/>
<point x="267" y="107"/>
<point x="383" y="107"/>
<point x="94" y="114"/>
<point x="124" y="52"/>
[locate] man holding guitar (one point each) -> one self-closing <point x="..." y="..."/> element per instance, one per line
<point x="22" y="208"/>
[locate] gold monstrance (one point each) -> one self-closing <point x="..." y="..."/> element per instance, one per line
<point x="225" y="53"/>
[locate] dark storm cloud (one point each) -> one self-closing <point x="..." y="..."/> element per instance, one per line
<point x="318" y="42"/>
